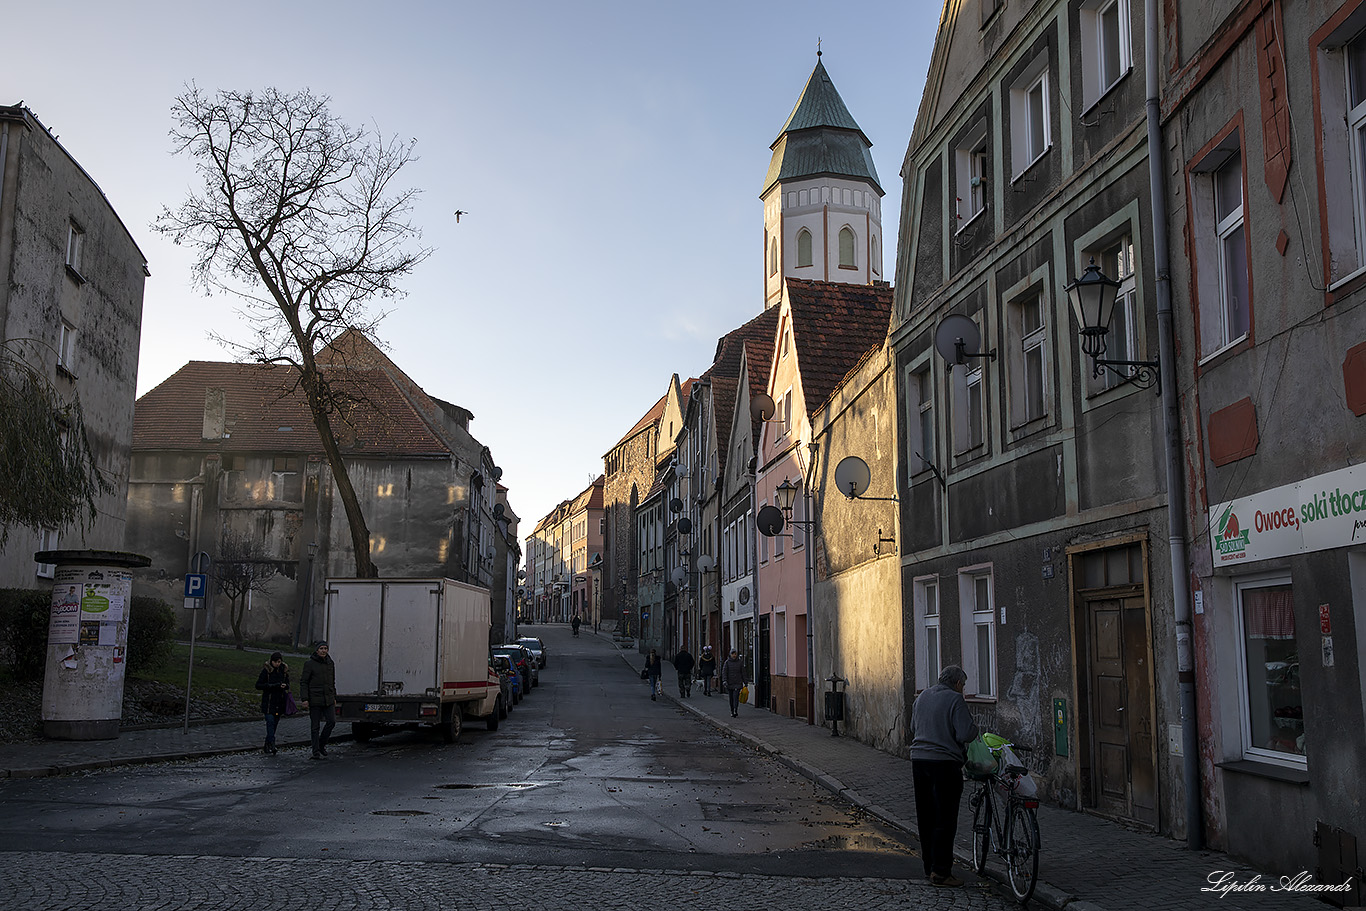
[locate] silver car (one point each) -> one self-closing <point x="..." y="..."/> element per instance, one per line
<point x="536" y="647"/>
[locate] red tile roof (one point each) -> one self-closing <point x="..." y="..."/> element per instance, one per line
<point x="726" y="371"/>
<point x="266" y="412"/>
<point x="835" y="328"/>
<point x="656" y="411"/>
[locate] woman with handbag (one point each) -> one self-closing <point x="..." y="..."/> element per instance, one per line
<point x="273" y="683"/>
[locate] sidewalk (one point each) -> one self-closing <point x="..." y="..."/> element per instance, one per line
<point x="57" y="757"/>
<point x="1086" y="863"/>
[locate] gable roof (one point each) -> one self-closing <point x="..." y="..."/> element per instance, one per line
<point x="835" y="327"/>
<point x="820" y="137"/>
<point x="725" y="384"/>
<point x="265" y="411"/>
<point x="651" y="417"/>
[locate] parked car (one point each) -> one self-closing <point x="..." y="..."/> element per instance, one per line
<point x="536" y="646"/>
<point x="510" y="678"/>
<point x="523" y="660"/>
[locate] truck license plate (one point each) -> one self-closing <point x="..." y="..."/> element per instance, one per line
<point x="378" y="707"/>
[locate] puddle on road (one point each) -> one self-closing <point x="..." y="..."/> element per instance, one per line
<point x="399" y="813"/>
<point x="509" y="786"/>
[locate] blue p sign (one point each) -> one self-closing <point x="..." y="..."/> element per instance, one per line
<point x="195" y="585"/>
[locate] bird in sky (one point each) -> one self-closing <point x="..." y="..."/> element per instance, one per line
<point x="458" y="213"/>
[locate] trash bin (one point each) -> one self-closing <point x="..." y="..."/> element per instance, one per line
<point x="834" y="706"/>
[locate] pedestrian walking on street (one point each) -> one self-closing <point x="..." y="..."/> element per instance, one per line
<point x="654" y="667"/>
<point x="684" y="663"/>
<point x="318" y="693"/>
<point x="732" y="680"/>
<point x="273" y="682"/>
<point x="706" y="669"/>
<point x="575" y="623"/>
<point x="941" y="729"/>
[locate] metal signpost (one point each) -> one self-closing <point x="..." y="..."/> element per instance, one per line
<point x="196" y="588"/>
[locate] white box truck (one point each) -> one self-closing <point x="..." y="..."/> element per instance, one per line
<point x="411" y="652"/>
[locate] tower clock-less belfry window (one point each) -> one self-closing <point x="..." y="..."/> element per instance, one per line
<point x="803" y="248"/>
<point x="847" y="248"/>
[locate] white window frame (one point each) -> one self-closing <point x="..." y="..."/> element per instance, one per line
<point x="1031" y="137"/>
<point x="972" y="161"/>
<point x="972" y="617"/>
<point x="75" y="247"/>
<point x="1117" y="261"/>
<point x="780" y="640"/>
<point x="1356" y="138"/>
<point x="1096" y="49"/>
<point x="66" y="347"/>
<point x="1258" y="754"/>
<point x="1342" y="147"/>
<point x="785" y="403"/>
<point x="928" y="662"/>
<point x="1225" y="229"/>
<point x="919" y="419"/>
<point x="968" y="382"/>
<point x="1028" y="357"/>
<point x="47" y="540"/>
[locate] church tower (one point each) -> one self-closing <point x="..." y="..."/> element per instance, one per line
<point x="822" y="200"/>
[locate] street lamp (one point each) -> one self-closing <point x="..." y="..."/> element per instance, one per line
<point x="1093" y="301"/>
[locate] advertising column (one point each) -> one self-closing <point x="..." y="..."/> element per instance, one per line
<point x="87" y="642"/>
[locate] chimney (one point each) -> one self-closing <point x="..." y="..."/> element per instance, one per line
<point x="215" y="413"/>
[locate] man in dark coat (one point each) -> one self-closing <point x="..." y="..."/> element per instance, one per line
<point x="318" y="694"/>
<point x="684" y="663"/>
<point x="941" y="729"/>
<point x="706" y="669"/>
<point x="733" y="679"/>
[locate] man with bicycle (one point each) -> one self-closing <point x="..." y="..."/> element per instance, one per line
<point x="941" y="728"/>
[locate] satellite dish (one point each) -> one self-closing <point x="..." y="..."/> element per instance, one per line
<point x="521" y="574"/>
<point x="497" y="473"/>
<point x="852" y="476"/>
<point x="685" y="526"/>
<point x="769" y="521"/>
<point x="675" y="505"/>
<point x="957" y="339"/>
<point x="761" y="407"/>
<point x="705" y="563"/>
<point x="499" y="510"/>
<point x="680" y="576"/>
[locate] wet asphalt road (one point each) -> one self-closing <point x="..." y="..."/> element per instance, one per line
<point x="586" y="772"/>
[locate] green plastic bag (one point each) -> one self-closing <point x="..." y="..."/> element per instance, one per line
<point x="981" y="760"/>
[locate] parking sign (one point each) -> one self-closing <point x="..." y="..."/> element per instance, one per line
<point x="196" y="584"/>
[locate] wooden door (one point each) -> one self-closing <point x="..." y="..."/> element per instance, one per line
<point x="1119" y="662"/>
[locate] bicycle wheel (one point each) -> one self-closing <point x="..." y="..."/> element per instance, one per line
<point x="981" y="829"/>
<point x="1022" y="851"/>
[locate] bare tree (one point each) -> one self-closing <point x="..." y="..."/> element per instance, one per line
<point x="300" y="218"/>
<point x="241" y="568"/>
<point x="48" y="475"/>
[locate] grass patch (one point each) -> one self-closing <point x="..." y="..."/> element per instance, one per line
<point x="220" y="669"/>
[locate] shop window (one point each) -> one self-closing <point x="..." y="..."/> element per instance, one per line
<point x="1273" y="701"/>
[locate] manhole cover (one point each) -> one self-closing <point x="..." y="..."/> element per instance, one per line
<point x="400" y="813"/>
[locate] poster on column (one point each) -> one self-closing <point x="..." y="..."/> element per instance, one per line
<point x="64" y="618"/>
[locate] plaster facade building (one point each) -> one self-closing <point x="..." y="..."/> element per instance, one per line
<point x="1262" y="107"/>
<point x="71" y="309"/>
<point x="226" y="461"/>
<point x="1033" y="527"/>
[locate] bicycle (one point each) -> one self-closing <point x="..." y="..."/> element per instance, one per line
<point x="1007" y="824"/>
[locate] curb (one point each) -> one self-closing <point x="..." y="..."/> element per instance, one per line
<point x="91" y="765"/>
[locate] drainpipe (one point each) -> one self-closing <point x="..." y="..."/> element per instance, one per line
<point x="1176" y="498"/>
<point x="808" y="544"/>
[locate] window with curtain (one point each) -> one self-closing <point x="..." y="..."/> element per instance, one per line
<point x="1273" y="710"/>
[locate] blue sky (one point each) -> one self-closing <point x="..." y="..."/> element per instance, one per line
<point x="609" y="154"/>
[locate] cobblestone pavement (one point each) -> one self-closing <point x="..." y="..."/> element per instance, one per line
<point x="61" y="882"/>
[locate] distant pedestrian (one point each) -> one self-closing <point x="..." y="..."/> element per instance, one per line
<point x="575" y="623"/>
<point x="684" y="663"/>
<point x="654" y="667"/>
<point x="733" y="680"/>
<point x="273" y="682"/>
<point x="706" y="669"/>
<point x="318" y="692"/>
<point x="941" y="728"/>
